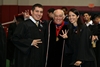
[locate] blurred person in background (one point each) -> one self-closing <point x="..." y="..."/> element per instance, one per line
<point x="2" y="47"/>
<point x="11" y="29"/>
<point x="50" y="13"/>
<point x="97" y="38"/>
<point x="65" y="13"/>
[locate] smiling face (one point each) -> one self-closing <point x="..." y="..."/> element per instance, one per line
<point x="73" y="18"/>
<point x="97" y="20"/>
<point x="37" y="13"/>
<point x="58" y="16"/>
<point x="87" y="17"/>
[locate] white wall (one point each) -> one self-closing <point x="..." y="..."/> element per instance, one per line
<point x="52" y="2"/>
<point x="61" y="2"/>
<point x="0" y="2"/>
<point x="10" y="2"/>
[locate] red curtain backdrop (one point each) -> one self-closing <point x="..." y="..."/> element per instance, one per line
<point x="7" y="12"/>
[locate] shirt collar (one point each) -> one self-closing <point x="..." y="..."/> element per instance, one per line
<point x="89" y="23"/>
<point x="31" y="18"/>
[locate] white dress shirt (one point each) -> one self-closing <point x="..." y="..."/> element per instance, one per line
<point x="89" y="23"/>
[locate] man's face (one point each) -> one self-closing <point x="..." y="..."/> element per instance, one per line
<point x="87" y="17"/>
<point x="58" y="17"/>
<point x="50" y="15"/>
<point x="97" y="20"/>
<point x="37" y="13"/>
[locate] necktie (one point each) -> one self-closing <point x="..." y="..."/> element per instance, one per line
<point x="37" y="23"/>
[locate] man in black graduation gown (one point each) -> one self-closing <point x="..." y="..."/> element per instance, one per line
<point x="97" y="38"/>
<point x="2" y="47"/>
<point x="29" y="40"/>
<point x="56" y="41"/>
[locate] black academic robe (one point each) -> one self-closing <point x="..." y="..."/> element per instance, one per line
<point x="10" y="45"/>
<point x="27" y="55"/>
<point x="2" y="47"/>
<point x="97" y="48"/>
<point x="66" y="19"/>
<point x="81" y="47"/>
<point x="55" y="48"/>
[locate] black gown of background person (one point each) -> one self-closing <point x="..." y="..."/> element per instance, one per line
<point x="55" y="48"/>
<point x="96" y="31"/>
<point x="25" y="54"/>
<point x="2" y="47"/>
<point x="98" y="46"/>
<point x="10" y="45"/>
<point x="80" y="45"/>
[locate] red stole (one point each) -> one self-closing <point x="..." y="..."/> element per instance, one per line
<point x="58" y="28"/>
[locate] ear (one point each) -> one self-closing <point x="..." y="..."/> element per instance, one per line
<point x="31" y="12"/>
<point x="78" y="16"/>
<point x="64" y="16"/>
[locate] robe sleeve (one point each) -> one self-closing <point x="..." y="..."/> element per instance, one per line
<point x="85" y="47"/>
<point x="20" y="38"/>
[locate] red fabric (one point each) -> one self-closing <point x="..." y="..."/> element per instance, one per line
<point x="58" y="28"/>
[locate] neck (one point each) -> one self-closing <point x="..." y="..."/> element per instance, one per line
<point x="75" y="24"/>
<point x="88" y="21"/>
<point x="59" y="24"/>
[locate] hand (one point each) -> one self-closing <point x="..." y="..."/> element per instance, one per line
<point x="14" y="20"/>
<point x="78" y="63"/>
<point x="26" y="14"/>
<point x="64" y="34"/>
<point x="35" y="42"/>
<point x="94" y="38"/>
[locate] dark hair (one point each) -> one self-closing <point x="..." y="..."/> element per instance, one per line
<point x="37" y="5"/>
<point x="96" y="16"/>
<point x="79" y="22"/>
<point x="64" y="8"/>
<point x="51" y="10"/>
<point x="87" y="13"/>
<point x="19" y="18"/>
